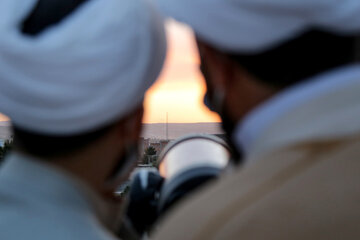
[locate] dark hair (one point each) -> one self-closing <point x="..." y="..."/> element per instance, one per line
<point x="307" y="55"/>
<point x="49" y="146"/>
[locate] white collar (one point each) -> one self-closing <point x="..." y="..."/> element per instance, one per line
<point x="261" y="118"/>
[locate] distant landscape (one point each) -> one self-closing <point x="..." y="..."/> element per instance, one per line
<point x="156" y="130"/>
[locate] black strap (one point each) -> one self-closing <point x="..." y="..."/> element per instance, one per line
<point x="47" y="13"/>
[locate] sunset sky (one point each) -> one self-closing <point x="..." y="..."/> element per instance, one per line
<point x="180" y="88"/>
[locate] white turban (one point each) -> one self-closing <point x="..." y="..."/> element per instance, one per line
<point x="83" y="73"/>
<point x="251" y="26"/>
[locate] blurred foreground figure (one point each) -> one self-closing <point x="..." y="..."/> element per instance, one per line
<point x="285" y="78"/>
<point x="72" y="79"/>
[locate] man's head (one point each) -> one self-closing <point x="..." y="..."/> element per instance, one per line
<point x="251" y="50"/>
<point x="74" y="74"/>
<point x="246" y="80"/>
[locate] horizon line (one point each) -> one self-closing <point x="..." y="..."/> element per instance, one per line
<point x="152" y="122"/>
<point x="178" y="122"/>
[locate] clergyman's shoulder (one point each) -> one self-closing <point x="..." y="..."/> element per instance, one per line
<point x="218" y="202"/>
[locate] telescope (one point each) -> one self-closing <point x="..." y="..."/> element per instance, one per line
<point x="184" y="166"/>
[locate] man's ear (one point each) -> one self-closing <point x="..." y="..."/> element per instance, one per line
<point x="136" y="123"/>
<point x="130" y="127"/>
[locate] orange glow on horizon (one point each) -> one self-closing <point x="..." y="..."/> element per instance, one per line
<point x="183" y="101"/>
<point x="180" y="88"/>
<point x="3" y="118"/>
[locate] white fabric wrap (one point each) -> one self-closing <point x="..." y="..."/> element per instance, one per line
<point x="251" y="26"/>
<point x="83" y="73"/>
